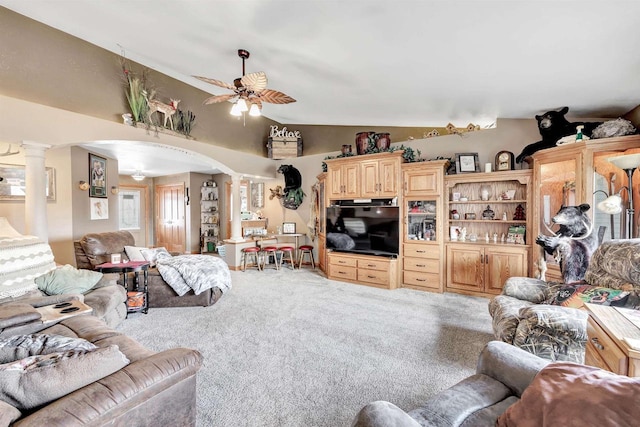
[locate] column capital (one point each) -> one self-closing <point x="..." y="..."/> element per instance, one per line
<point x="32" y="147"/>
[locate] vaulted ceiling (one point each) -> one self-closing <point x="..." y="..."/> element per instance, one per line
<point x="386" y="63"/>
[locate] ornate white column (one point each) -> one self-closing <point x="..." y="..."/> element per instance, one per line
<point x="35" y="205"/>
<point x="236" y="224"/>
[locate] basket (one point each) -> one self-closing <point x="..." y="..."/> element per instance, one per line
<point x="222" y="250"/>
<point x="135" y="299"/>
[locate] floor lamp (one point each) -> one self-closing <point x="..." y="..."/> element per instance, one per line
<point x="629" y="163"/>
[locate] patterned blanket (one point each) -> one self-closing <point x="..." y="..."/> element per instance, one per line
<point x="22" y="259"/>
<point x="198" y="272"/>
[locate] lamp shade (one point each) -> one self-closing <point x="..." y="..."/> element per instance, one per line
<point x="627" y="161"/>
<point x="611" y="205"/>
<point x="235" y="110"/>
<point x="242" y="105"/>
<point x="254" y="110"/>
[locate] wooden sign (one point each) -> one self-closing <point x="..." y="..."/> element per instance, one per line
<point x="283" y="144"/>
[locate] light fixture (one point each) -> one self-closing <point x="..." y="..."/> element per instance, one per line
<point x="235" y="110"/>
<point x="83" y="185"/>
<point x="254" y="110"/>
<point x="115" y="190"/>
<point x="242" y="105"/>
<point x="628" y="163"/>
<point x="138" y="176"/>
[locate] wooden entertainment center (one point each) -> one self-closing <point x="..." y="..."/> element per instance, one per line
<point x="500" y="212"/>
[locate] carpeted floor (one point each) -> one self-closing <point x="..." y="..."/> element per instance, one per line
<point x="291" y="348"/>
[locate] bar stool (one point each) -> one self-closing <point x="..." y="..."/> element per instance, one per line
<point x="306" y="249"/>
<point x="288" y="250"/>
<point x="250" y="251"/>
<point x="269" y="251"/>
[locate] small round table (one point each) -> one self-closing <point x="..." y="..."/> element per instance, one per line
<point x="134" y="267"/>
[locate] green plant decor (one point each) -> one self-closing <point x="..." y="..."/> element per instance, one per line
<point x="184" y="122"/>
<point x="135" y="96"/>
<point x="409" y="154"/>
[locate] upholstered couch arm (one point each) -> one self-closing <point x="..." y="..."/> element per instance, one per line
<point x="510" y="365"/>
<point x="552" y="332"/>
<point x="161" y="386"/>
<point x="526" y="289"/>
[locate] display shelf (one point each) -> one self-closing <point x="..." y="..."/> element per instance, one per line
<point x="209" y="217"/>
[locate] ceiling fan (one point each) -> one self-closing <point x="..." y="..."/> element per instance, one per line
<point x="249" y="89"/>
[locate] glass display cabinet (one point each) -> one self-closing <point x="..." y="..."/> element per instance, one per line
<point x="577" y="173"/>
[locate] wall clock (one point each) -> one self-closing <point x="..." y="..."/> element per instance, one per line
<point x="504" y="161"/>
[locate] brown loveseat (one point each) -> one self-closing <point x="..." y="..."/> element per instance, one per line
<point x="96" y="248"/>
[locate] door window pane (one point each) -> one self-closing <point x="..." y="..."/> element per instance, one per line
<point x="129" y="207"/>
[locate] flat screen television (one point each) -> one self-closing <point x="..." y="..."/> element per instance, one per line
<point x="371" y="230"/>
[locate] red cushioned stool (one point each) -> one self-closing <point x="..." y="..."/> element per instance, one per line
<point x="250" y="251"/>
<point x="306" y="249"/>
<point x="287" y="250"/>
<point x="270" y="251"/>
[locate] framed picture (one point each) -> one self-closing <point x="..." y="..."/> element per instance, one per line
<point x="467" y="162"/>
<point x="99" y="208"/>
<point x="97" y="176"/>
<point x="13" y="186"/>
<point x="288" y="228"/>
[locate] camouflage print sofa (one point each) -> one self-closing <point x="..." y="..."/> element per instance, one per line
<point x="540" y="317"/>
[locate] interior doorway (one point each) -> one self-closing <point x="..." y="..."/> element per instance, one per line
<point x="170" y="217"/>
<point x="135" y="216"/>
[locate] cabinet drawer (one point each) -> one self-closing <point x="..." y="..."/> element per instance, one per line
<point x="605" y="350"/>
<point x="344" y="261"/>
<point x="422" y="265"/>
<point x="422" y="251"/>
<point x="341" y="272"/>
<point x="379" y="277"/>
<point x="428" y="280"/>
<point x="373" y="264"/>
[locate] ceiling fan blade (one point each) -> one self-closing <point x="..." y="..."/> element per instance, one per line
<point x="219" y="98"/>
<point x="216" y="82"/>
<point x="255" y="82"/>
<point x="275" y="97"/>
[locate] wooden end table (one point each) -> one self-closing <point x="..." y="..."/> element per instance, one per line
<point x="613" y="341"/>
<point x="134" y="267"/>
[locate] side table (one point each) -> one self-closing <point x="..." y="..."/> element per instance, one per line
<point x="134" y="267"/>
<point x="613" y="341"/>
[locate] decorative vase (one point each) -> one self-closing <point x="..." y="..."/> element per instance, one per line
<point x="364" y="140"/>
<point x="383" y="141"/>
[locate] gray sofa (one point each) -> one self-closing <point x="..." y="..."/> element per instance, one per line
<point x="526" y="314"/>
<point x="502" y="374"/>
<point x="96" y="248"/>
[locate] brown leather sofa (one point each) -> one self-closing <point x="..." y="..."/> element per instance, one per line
<point x="96" y="248"/>
<point x="154" y="389"/>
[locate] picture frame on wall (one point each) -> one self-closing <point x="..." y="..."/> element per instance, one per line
<point x="467" y="163"/>
<point x="99" y="208"/>
<point x="13" y="184"/>
<point x="288" y="228"/>
<point x="97" y="176"/>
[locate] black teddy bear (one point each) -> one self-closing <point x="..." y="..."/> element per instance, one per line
<point x="553" y="126"/>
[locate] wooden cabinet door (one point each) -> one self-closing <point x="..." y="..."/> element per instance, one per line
<point x="322" y="253"/>
<point x="370" y="183"/>
<point x="465" y="268"/>
<point x="335" y="180"/>
<point x="420" y="183"/>
<point x="351" y="180"/>
<point x="388" y="177"/>
<point x="502" y="263"/>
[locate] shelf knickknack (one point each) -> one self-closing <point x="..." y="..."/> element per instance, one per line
<point x="409" y="154"/>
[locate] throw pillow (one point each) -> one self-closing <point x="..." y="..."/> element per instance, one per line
<point x="37" y="380"/>
<point x="134" y="253"/>
<point x="568" y="394"/>
<point x="576" y="295"/>
<point x="153" y="254"/>
<point x="22" y="259"/>
<point x="21" y="346"/>
<point x="68" y="280"/>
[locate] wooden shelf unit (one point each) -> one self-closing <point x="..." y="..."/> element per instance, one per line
<point x="481" y="267"/>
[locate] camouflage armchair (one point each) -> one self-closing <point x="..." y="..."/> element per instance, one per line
<point x="524" y="314"/>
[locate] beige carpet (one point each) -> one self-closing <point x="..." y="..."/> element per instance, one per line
<point x="291" y="348"/>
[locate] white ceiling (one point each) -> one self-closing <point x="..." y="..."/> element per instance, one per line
<point x="386" y="62"/>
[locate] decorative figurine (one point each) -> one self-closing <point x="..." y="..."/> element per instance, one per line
<point x="504" y="216"/>
<point x="463" y="234"/>
<point x="519" y="215"/>
<point x="486" y="237"/>
<point x="495" y="237"/>
<point x="488" y="213"/>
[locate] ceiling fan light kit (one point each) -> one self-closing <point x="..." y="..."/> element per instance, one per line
<point x="250" y="91"/>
